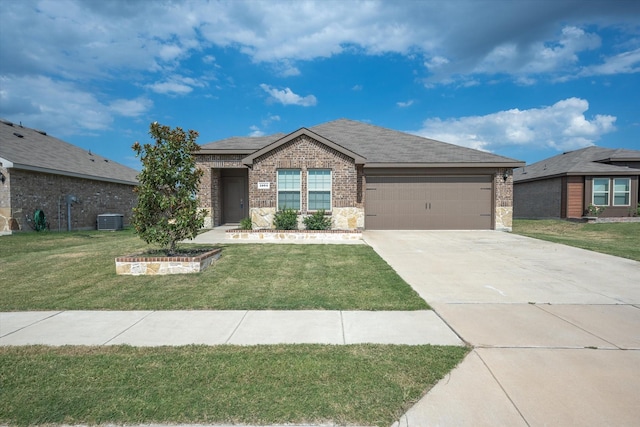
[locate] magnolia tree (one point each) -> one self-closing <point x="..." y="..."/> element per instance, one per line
<point x="167" y="209"/>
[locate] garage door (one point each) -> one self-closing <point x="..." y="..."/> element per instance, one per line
<point x="428" y="203"/>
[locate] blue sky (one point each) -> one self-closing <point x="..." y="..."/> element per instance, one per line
<point x="523" y="79"/>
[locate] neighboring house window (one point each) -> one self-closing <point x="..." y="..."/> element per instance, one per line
<point x="601" y="191"/>
<point x="319" y="186"/>
<point x="289" y="189"/>
<point x="621" y="191"/>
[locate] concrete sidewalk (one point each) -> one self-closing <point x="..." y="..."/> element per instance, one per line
<point x="241" y="327"/>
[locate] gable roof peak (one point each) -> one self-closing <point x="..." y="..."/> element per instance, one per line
<point x="293" y="135"/>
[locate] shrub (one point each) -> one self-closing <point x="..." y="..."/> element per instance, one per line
<point x="317" y="221"/>
<point x="593" y="210"/>
<point x="246" y="224"/>
<point x="286" y="219"/>
<point x="167" y="209"/>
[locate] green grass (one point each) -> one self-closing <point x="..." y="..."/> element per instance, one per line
<point x="619" y="239"/>
<point x="359" y="384"/>
<point x="76" y="271"/>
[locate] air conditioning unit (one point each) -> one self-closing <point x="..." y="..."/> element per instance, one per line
<point x="110" y="222"/>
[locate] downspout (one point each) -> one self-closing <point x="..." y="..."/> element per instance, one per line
<point x="70" y="199"/>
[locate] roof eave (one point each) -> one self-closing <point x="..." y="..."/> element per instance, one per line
<point x="632" y="172"/>
<point x="611" y="160"/>
<point x="445" y="165"/>
<point x="71" y="174"/>
<point x="229" y="151"/>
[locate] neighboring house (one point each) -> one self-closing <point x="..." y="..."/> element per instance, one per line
<point x="40" y="172"/>
<point x="565" y="185"/>
<point x="365" y="176"/>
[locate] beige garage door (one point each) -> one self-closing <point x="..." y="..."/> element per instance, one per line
<point x="428" y="203"/>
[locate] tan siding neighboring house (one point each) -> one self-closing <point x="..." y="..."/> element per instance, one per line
<point x="575" y="197"/>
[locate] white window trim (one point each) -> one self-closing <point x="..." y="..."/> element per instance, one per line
<point x="593" y="192"/>
<point x="613" y="191"/>
<point x="330" y="189"/>
<point x="299" y="190"/>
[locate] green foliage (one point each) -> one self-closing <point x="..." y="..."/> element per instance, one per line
<point x="317" y="221"/>
<point x="619" y="239"/>
<point x="593" y="210"/>
<point x="247" y="277"/>
<point x="286" y="219"/>
<point x="167" y="209"/>
<point x="246" y="224"/>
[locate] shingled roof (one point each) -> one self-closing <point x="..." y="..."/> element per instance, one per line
<point x="34" y="150"/>
<point x="586" y="161"/>
<point x="378" y="146"/>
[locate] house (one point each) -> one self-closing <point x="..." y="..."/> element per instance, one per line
<point x="70" y="185"/>
<point x="564" y="186"/>
<point x="364" y="176"/>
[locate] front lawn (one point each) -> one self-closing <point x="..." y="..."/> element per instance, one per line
<point x="619" y="239"/>
<point x="76" y="271"/>
<point x="353" y="384"/>
<point x="359" y="384"/>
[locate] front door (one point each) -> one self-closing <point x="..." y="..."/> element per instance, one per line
<point x="234" y="198"/>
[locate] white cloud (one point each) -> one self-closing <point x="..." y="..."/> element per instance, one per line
<point x="405" y="104"/>
<point x="176" y="85"/>
<point x="131" y="107"/>
<point x="170" y="87"/>
<point x="562" y="126"/>
<point x="436" y="62"/>
<point x="170" y="52"/>
<point x="68" y="38"/>
<point x="60" y="108"/>
<point x="255" y="131"/>
<point x="274" y="118"/>
<point x="624" y="63"/>
<point x="287" y="97"/>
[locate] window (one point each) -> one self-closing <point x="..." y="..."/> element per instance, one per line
<point x="621" y="191"/>
<point x="601" y="191"/>
<point x="319" y="185"/>
<point x="289" y="189"/>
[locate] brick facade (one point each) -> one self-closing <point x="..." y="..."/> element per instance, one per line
<point x="210" y="191"/>
<point x="304" y="153"/>
<point x="25" y="191"/>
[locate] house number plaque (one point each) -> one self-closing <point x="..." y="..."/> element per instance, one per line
<point x="264" y="185"/>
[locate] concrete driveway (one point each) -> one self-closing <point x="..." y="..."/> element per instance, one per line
<point x="555" y="329"/>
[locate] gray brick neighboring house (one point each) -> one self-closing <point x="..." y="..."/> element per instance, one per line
<point x="564" y="186"/>
<point x="365" y="176"/>
<point x="40" y="172"/>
